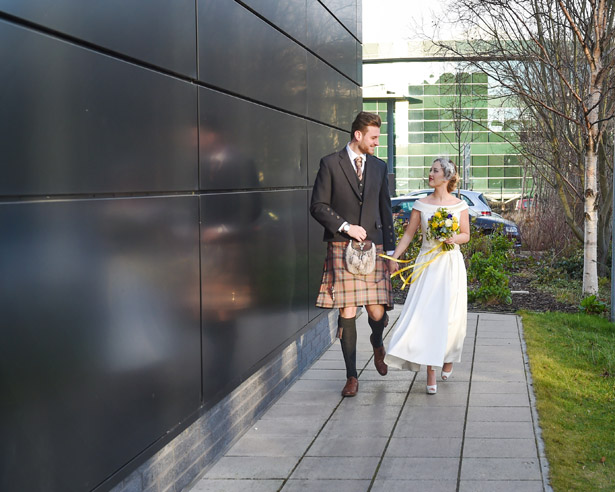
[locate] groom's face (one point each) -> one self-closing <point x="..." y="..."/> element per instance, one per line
<point x="368" y="141"/>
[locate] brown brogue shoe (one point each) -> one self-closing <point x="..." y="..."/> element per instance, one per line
<point x="351" y="388"/>
<point x="381" y="367"/>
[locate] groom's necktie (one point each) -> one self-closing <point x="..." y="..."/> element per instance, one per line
<point x="359" y="163"/>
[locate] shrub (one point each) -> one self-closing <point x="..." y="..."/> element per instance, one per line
<point x="592" y="305"/>
<point x="493" y="282"/>
<point x="490" y="260"/>
<point x="572" y="264"/>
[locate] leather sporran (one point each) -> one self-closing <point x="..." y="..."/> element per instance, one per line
<point x="360" y="257"/>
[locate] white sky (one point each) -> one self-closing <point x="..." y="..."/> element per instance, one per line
<point x="401" y="20"/>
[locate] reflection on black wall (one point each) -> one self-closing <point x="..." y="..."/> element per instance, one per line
<point x="157" y="248"/>
<point x="100" y="335"/>
<point x="254" y="279"/>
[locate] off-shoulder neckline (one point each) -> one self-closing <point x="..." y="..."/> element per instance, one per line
<point x="442" y="205"/>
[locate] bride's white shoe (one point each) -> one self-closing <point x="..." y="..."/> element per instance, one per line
<point x="432" y="389"/>
<point x="446" y="375"/>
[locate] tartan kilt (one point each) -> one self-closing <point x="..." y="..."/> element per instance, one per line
<point x="340" y="288"/>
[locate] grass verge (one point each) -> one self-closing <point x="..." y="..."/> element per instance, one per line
<point x="572" y="358"/>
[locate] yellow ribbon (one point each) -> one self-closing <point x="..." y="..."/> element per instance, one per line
<point x="416" y="273"/>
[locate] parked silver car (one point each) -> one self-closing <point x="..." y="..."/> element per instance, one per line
<point x="475" y="200"/>
<point x="480" y="211"/>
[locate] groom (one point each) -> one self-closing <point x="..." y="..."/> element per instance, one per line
<point x="351" y="200"/>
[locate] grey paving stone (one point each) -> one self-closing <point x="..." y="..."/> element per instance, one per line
<point x="326" y="486"/>
<point x="293" y="397"/>
<point x="333" y="354"/>
<point x="414" y="485"/>
<point x="418" y="469"/>
<point x="500" y="469"/>
<point x="429" y="428"/>
<point x="383" y="386"/>
<point x="435" y="414"/>
<point x="421" y="399"/>
<point x="500" y="486"/>
<point x="300" y="411"/>
<point x="354" y="427"/>
<point x="518" y="430"/>
<point x="496" y="318"/>
<point x="258" y="445"/>
<point x="496" y="342"/>
<point x="238" y="467"/>
<point x="380" y="398"/>
<point x="502" y="365"/>
<point x="499" y="448"/>
<point x="237" y="486"/>
<point x="448" y="387"/>
<point x="286" y="427"/>
<point x="503" y="333"/>
<point x="348" y="446"/>
<point x="332" y="468"/>
<point x="495" y="388"/>
<point x="333" y="363"/>
<point x="499" y="414"/>
<point x="326" y="374"/>
<point x="500" y="400"/>
<point x="502" y="377"/>
<point x="485" y="353"/>
<point x="424" y="447"/>
<point x="310" y="385"/>
<point x="366" y="412"/>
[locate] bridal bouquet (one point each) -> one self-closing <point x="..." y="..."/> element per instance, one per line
<point x="441" y="226"/>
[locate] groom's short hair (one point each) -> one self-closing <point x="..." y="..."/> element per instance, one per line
<point x="363" y="120"/>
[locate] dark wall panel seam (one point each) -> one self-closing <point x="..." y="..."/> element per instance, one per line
<point x="161" y="70"/>
<point x="340" y="22"/>
<point x="91" y="46"/>
<point x="153" y="194"/>
<point x="307" y="48"/>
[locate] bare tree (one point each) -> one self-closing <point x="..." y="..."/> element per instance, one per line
<point x="558" y="59"/>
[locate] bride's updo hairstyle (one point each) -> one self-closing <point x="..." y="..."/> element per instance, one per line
<point x="450" y="172"/>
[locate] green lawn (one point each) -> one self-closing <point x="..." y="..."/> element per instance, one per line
<point x="572" y="358"/>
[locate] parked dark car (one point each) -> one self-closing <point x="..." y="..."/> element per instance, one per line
<point x="495" y="222"/>
<point x="487" y="223"/>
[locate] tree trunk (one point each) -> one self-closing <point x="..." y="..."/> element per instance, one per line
<point x="590" y="243"/>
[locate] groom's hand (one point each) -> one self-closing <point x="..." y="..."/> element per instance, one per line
<point x="357" y="232"/>
<point x="393" y="266"/>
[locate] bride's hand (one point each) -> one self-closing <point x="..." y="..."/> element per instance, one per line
<point x="393" y="266"/>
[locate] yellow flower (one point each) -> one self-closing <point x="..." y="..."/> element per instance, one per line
<point x="455" y="226"/>
<point x="441" y="223"/>
<point x="437" y="215"/>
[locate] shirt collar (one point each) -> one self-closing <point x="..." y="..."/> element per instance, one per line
<point x="353" y="156"/>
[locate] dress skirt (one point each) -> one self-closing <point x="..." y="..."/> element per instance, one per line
<point x="432" y="325"/>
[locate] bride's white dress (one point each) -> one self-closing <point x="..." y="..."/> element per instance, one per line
<point x="432" y="324"/>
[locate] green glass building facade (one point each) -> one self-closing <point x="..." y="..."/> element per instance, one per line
<point x="441" y="110"/>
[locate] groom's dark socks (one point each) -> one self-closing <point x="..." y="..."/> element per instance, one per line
<point x="377" y="343"/>
<point x="349" y="344"/>
<point x="377" y="331"/>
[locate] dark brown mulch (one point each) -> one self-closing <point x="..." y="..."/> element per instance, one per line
<point x="534" y="300"/>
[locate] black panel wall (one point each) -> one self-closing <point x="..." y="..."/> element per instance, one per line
<point x="157" y="248"/>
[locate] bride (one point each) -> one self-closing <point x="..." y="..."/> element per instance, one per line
<point x="432" y="325"/>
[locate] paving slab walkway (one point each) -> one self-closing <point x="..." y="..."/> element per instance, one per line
<point x="478" y="433"/>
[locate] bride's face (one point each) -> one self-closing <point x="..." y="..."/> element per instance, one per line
<point x="436" y="175"/>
